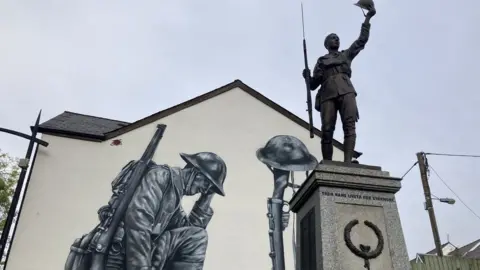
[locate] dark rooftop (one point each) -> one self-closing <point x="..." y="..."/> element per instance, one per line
<point x="81" y="124"/>
<point x="471" y="251"/>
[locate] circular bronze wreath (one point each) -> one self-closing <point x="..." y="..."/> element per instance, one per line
<point x="364" y="251"/>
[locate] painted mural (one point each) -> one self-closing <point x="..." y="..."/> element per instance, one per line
<point x="282" y="155"/>
<point x="144" y="226"/>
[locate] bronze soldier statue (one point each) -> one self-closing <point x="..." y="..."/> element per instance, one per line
<point x="337" y="94"/>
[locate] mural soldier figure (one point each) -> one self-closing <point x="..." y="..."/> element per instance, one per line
<point x="156" y="233"/>
<point x="337" y="94"/>
<point x="282" y="154"/>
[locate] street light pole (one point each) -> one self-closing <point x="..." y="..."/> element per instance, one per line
<point x="422" y="164"/>
<point x="445" y="200"/>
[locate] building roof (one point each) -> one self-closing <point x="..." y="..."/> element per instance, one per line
<point x="450" y="247"/>
<point x="92" y="128"/>
<point x="469" y="251"/>
<point x="81" y="125"/>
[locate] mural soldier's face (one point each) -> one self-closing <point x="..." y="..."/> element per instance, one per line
<point x="200" y="184"/>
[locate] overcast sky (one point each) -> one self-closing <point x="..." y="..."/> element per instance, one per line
<point x="416" y="79"/>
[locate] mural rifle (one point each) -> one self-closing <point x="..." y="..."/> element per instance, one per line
<point x="283" y="155"/>
<point x="277" y="223"/>
<point x="307" y="81"/>
<point x="105" y="232"/>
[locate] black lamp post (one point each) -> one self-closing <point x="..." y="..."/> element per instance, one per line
<point x="23" y="164"/>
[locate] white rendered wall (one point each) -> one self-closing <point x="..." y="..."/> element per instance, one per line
<point x="72" y="178"/>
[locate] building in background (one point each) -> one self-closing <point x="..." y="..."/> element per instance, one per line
<point x="469" y="253"/>
<point x="72" y="178"/>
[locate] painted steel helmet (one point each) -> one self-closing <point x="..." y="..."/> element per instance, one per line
<point x="210" y="165"/>
<point x="287" y="153"/>
<point x="365" y="4"/>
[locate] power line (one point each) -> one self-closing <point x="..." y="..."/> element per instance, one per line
<point x="405" y="174"/>
<point x="454" y="193"/>
<point x="452" y="155"/>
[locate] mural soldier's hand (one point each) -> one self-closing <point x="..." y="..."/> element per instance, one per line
<point x="205" y="199"/>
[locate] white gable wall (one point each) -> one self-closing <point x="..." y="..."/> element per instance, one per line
<point x="72" y="178"/>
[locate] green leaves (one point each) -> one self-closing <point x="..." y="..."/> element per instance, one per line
<point x="9" y="172"/>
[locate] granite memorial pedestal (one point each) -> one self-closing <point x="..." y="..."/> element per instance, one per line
<point x="347" y="219"/>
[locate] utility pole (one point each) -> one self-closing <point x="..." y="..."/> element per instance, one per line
<point x="422" y="164"/>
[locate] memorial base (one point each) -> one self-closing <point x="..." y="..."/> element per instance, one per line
<point x="347" y="219"/>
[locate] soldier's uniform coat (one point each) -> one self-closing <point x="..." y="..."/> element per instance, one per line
<point x="158" y="233"/>
<point x="333" y="72"/>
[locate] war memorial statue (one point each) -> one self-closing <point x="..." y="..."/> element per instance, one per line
<point x="339" y="196"/>
<point x="332" y="73"/>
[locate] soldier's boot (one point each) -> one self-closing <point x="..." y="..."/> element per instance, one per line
<point x="349" y="149"/>
<point x="327" y="151"/>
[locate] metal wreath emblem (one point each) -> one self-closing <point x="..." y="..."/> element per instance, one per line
<point x="365" y="251"/>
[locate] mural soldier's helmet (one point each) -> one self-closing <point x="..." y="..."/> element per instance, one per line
<point x="210" y="165"/>
<point x="287" y="153"/>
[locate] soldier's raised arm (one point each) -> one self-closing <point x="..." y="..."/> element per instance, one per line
<point x="362" y="40"/>
<point x="140" y="218"/>
<point x="199" y="216"/>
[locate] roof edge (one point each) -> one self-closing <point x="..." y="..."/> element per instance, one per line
<point x="184" y="105"/>
<point x="174" y="109"/>
<point x="71" y="135"/>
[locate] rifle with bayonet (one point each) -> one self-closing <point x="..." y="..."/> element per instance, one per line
<point x="307" y="82"/>
<point x="113" y="216"/>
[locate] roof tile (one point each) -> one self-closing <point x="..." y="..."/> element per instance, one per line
<point x="82" y="124"/>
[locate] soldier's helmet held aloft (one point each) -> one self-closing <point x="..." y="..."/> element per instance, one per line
<point x="365" y="4"/>
<point x="210" y="165"/>
<point x="287" y="153"/>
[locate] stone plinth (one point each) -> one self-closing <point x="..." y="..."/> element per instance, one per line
<point x="327" y="205"/>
